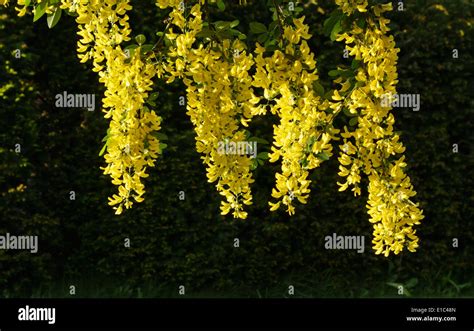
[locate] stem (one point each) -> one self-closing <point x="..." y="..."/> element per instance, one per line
<point x="277" y="9"/>
<point x="162" y="36"/>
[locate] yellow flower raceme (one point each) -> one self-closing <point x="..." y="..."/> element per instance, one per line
<point x="220" y="102"/>
<point x="302" y="138"/>
<point x="131" y="145"/>
<point x="373" y="147"/>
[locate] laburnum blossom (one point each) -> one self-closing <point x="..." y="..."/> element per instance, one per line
<point x="302" y="139"/>
<point x="373" y="148"/>
<point x="227" y="86"/>
<point x="220" y="101"/>
<point x="131" y="143"/>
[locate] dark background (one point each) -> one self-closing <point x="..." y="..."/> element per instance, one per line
<point x="176" y="242"/>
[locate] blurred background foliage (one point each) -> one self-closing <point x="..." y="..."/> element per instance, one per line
<point x="173" y="241"/>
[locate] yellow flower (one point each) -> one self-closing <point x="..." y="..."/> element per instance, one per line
<point x="287" y="81"/>
<point x="369" y="147"/>
<point x="220" y="101"/>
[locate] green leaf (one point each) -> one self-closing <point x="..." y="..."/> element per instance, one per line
<point x="154" y="96"/>
<point x="355" y="64"/>
<point x="205" y="33"/>
<point x="311" y="141"/>
<point x="396" y="285"/>
<point x="54" y="17"/>
<point x="328" y="95"/>
<point x="39" y="11"/>
<point x="221" y="5"/>
<point x="331" y="21"/>
<point x="304" y="162"/>
<point x="130" y="47"/>
<point x="257" y="27"/>
<point x="353" y="121"/>
<point x="341" y="72"/>
<point x="262" y="156"/>
<point x="268" y="43"/>
<point x="254" y="164"/>
<point x="261" y="38"/>
<point x="160" y="136"/>
<point x="271" y="48"/>
<point x="347" y="73"/>
<point x="162" y="147"/>
<point x="224" y="34"/>
<point x="146" y="48"/>
<point x="222" y="25"/>
<point x="131" y="50"/>
<point x="102" y="151"/>
<point x="235" y="23"/>
<point x="273" y="26"/>
<point x="461" y="286"/>
<point x="335" y="30"/>
<point x="242" y="36"/>
<point x="140" y="39"/>
<point x="237" y="33"/>
<point x="347" y="112"/>
<point x="318" y="88"/>
<point x="323" y="156"/>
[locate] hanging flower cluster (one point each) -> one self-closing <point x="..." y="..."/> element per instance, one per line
<point x="130" y="142"/>
<point x="220" y="103"/>
<point x="373" y="147"/>
<point x="302" y="138"/>
<point x="226" y="87"/>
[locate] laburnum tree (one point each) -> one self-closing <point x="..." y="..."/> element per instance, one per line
<point x="229" y="82"/>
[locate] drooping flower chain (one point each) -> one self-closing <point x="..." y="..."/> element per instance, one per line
<point x="131" y="144"/>
<point x="302" y="138"/>
<point x="374" y="148"/>
<point x="221" y="99"/>
<point x="220" y="102"/>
